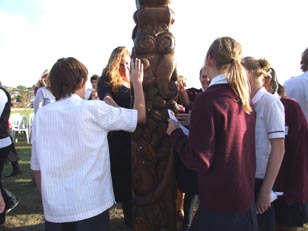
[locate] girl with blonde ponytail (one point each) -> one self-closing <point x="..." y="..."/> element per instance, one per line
<point x="221" y="143"/>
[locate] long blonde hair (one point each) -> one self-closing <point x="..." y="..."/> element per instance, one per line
<point x="226" y="53"/>
<point x="112" y="69"/>
<point x="44" y="74"/>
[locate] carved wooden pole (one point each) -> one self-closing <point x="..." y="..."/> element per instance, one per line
<point x="154" y="189"/>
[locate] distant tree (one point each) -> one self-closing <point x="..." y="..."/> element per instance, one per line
<point x="21" y="87"/>
<point x="19" y="98"/>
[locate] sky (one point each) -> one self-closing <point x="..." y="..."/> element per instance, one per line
<point x="35" y="33"/>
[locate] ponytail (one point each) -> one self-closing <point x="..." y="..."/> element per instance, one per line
<point x="238" y="81"/>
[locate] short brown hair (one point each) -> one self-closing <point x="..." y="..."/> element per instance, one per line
<point x="65" y="75"/>
<point x="304" y="61"/>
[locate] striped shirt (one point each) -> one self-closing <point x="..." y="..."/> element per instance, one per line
<point x="70" y="148"/>
<point x="270" y="124"/>
<point x="297" y="88"/>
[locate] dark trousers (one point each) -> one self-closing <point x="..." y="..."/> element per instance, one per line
<point x="127" y="206"/>
<point x="266" y="220"/>
<point x="209" y="221"/>
<point x="4" y="152"/>
<point x="100" y="222"/>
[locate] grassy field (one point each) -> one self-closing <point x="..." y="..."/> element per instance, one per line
<point x="28" y="215"/>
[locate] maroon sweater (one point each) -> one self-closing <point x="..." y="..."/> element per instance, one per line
<point x="293" y="175"/>
<point x="221" y="149"/>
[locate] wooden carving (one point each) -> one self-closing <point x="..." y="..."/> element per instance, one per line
<point x="152" y="158"/>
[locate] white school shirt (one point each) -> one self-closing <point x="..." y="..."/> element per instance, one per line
<point x="270" y="124"/>
<point x="297" y="88"/>
<point x="4" y="142"/>
<point x="43" y="97"/>
<point x="70" y="148"/>
<point x="88" y="93"/>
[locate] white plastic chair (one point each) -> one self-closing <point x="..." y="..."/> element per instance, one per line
<point x="31" y="117"/>
<point x="19" y="123"/>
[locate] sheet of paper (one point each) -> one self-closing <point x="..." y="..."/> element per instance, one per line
<point x="172" y="116"/>
<point x="275" y="195"/>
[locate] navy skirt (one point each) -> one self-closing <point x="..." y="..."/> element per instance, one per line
<point x="294" y="215"/>
<point x="210" y="221"/>
<point x="186" y="179"/>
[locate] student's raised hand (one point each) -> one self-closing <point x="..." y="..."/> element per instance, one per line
<point x="136" y="71"/>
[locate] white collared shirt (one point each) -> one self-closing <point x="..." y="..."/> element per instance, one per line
<point x="297" y="88"/>
<point x="219" y="79"/>
<point x="270" y="124"/>
<point x="70" y="148"/>
<point x="43" y="97"/>
<point x="88" y="93"/>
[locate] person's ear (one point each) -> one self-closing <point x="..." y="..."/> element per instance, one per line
<point x="209" y="61"/>
<point x="267" y="83"/>
<point x="81" y="83"/>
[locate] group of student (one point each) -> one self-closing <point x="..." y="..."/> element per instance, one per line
<point x="242" y="143"/>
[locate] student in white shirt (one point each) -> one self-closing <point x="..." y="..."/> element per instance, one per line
<point x="270" y="133"/>
<point x="43" y="95"/>
<point x="42" y="98"/>
<point x="5" y="142"/>
<point x="70" y="165"/>
<point x="90" y="91"/>
<point x="7" y="200"/>
<point x="297" y="87"/>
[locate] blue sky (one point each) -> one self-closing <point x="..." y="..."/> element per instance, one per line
<point x="35" y="33"/>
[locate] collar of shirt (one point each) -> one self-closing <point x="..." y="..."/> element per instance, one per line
<point x="276" y="95"/>
<point x="73" y="97"/>
<point x="219" y="79"/>
<point x="258" y="95"/>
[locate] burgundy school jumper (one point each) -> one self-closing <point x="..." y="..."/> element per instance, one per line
<point x="293" y="175"/>
<point x="221" y="149"/>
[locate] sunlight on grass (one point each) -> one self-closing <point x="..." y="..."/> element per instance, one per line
<point x="24" y="220"/>
<point x="23" y="180"/>
<point x="23" y="161"/>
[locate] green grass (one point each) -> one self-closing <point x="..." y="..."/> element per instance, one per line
<point x="28" y="214"/>
<point x="23" y="111"/>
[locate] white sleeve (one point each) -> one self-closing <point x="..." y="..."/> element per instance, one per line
<point x="38" y="100"/>
<point x="275" y="120"/>
<point x="34" y="164"/>
<point x="3" y="100"/>
<point x="118" y="118"/>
